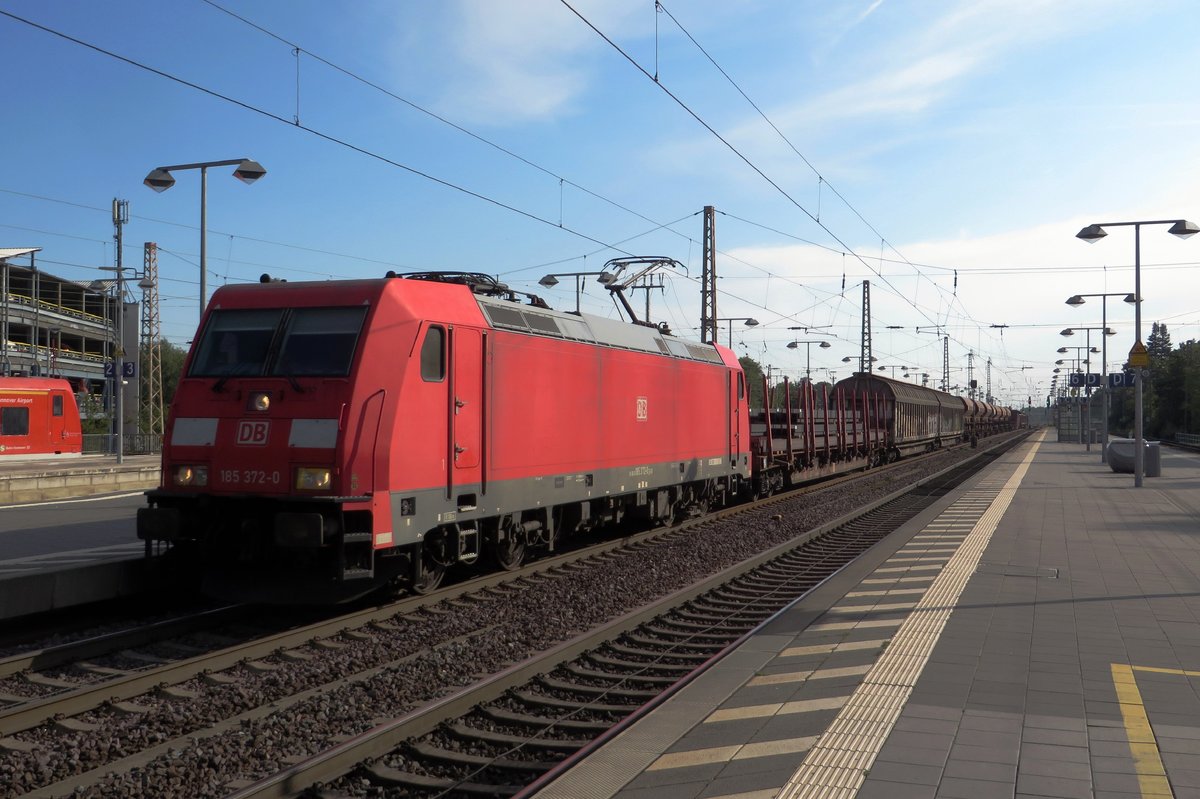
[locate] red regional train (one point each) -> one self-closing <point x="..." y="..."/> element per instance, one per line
<point x="328" y="439"/>
<point x="39" y="419"/>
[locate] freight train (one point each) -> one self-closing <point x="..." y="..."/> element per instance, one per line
<point x="328" y="439"/>
<point x="39" y="419"/>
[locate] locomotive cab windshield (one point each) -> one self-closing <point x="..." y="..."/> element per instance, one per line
<point x="280" y="342"/>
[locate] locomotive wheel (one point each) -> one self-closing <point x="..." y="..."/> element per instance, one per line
<point x="430" y="578"/>
<point x="432" y="567"/>
<point x="509" y="553"/>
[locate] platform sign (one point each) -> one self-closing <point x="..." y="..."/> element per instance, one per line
<point x="1081" y="380"/>
<point x="1122" y="379"/>
<point x="128" y="369"/>
<point x="1139" y="356"/>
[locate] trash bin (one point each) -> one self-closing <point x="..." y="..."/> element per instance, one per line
<point x="1153" y="460"/>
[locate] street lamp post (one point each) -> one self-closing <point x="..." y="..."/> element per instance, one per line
<point x="118" y="397"/>
<point x="603" y="278"/>
<point x="1078" y="366"/>
<point x="748" y="320"/>
<point x="808" y="353"/>
<point x="1075" y="301"/>
<point x="161" y="179"/>
<point x="1092" y="233"/>
<point x="1105" y="333"/>
<point x="1087" y="372"/>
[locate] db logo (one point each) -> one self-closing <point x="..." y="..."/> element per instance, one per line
<point x="253" y="433"/>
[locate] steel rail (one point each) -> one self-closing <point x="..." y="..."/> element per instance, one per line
<point x="383" y="738"/>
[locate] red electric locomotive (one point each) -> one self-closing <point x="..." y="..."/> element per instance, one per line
<point x="39" y="419"/>
<point x="330" y="438"/>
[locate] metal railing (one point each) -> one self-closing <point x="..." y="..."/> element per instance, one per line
<point x="20" y="299"/>
<point x="135" y="444"/>
<point x="1191" y="439"/>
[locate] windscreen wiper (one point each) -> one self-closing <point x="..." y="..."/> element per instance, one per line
<point x="219" y="386"/>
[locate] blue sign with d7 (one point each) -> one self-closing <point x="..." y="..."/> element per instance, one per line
<point x="1122" y="379"/>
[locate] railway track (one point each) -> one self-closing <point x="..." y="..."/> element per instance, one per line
<point x="250" y="682"/>
<point x="115" y="667"/>
<point x="510" y="734"/>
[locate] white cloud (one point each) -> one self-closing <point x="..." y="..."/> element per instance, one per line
<point x="1019" y="279"/>
<point x="525" y="59"/>
<point x="893" y="73"/>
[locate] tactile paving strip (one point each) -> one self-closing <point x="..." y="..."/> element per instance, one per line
<point x="837" y="764"/>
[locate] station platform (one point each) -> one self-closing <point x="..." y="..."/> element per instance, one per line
<point x="84" y="475"/>
<point x="43" y="569"/>
<point x="1036" y="633"/>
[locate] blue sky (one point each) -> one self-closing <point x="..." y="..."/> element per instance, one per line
<point x="950" y="151"/>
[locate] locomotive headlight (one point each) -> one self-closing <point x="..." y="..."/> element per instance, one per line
<point x="313" y="479"/>
<point x="260" y="401"/>
<point x="190" y="475"/>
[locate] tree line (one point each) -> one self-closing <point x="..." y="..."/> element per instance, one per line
<point x="1170" y="394"/>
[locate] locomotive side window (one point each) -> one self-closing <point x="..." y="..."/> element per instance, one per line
<point x="741" y="385"/>
<point x="319" y="341"/>
<point x="433" y="355"/>
<point x="14" y="422"/>
<point x="236" y="342"/>
<point x="56" y="405"/>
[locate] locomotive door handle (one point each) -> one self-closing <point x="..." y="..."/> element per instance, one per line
<point x="458" y="405"/>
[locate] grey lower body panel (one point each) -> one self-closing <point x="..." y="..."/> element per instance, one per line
<point x="415" y="512"/>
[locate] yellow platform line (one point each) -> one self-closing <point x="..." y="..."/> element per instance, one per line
<point x="1147" y="763"/>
